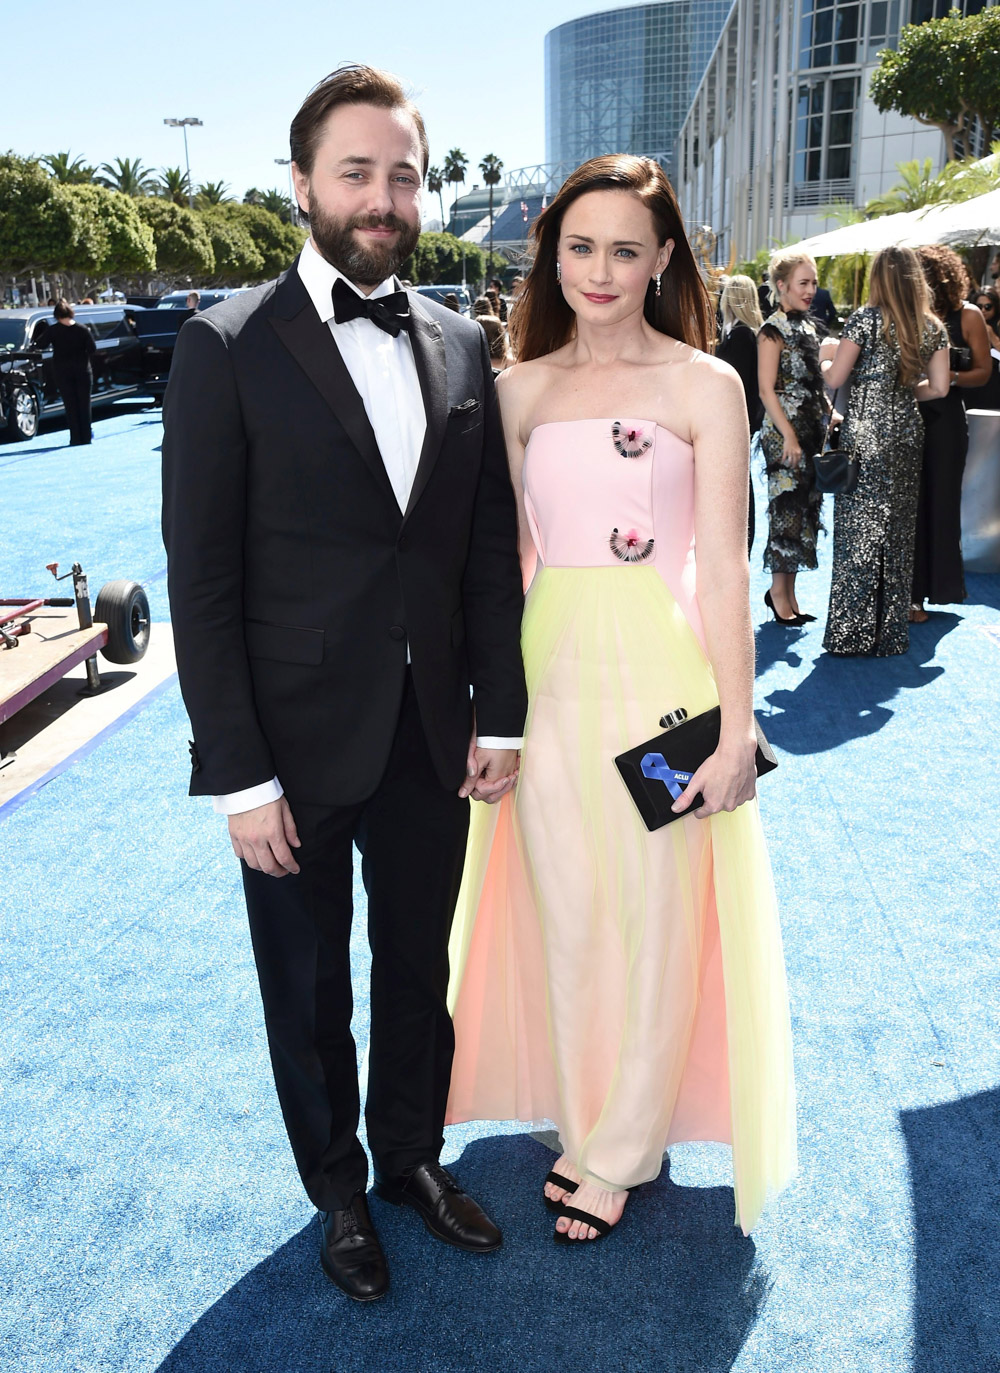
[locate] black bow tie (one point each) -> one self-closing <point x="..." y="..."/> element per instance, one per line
<point x="390" y="313"/>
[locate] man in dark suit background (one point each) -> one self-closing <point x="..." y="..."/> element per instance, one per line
<point x="342" y="544"/>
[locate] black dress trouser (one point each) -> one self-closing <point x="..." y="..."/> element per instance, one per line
<point x="74" y="385"/>
<point x="411" y="834"/>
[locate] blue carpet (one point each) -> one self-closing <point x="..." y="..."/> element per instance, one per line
<point x="153" y="1217"/>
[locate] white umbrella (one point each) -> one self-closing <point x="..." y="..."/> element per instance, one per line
<point x="966" y="224"/>
<point x="868" y="236"/>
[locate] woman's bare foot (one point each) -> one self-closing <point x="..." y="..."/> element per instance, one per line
<point x="607" y="1206"/>
<point x="565" y="1169"/>
<point x="918" y="615"/>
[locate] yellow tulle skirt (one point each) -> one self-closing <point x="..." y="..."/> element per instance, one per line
<point x="627" y="986"/>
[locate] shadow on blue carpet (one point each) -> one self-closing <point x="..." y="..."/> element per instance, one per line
<point x="675" y="1288"/>
<point x="956" y="1201"/>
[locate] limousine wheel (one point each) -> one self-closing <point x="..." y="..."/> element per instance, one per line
<point x="123" y="607"/>
<point x="23" y="413"/>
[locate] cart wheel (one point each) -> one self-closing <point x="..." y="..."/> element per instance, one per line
<point x="23" y="422"/>
<point x="123" y="607"/>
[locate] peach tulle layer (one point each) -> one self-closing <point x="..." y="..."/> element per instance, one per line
<point x="628" y="986"/>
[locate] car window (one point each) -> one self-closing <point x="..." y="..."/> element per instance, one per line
<point x="11" y="333"/>
<point x="105" y="328"/>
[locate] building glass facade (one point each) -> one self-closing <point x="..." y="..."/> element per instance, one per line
<point x="622" y="81"/>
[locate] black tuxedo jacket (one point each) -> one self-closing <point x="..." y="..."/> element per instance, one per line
<point x="295" y="581"/>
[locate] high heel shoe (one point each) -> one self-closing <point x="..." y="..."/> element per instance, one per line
<point x="794" y="622"/>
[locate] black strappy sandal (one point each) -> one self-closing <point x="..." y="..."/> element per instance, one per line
<point x="602" y="1227"/>
<point x="558" y="1207"/>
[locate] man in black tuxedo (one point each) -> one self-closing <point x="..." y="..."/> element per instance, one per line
<point x="342" y="543"/>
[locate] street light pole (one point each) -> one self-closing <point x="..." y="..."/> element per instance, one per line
<point x="183" y="125"/>
<point x="287" y="162"/>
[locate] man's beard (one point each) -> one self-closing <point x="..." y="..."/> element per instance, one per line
<point x="365" y="266"/>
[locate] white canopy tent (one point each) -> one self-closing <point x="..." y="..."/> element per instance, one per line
<point x="967" y="224"/>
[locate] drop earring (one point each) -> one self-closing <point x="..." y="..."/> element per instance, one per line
<point x="656" y="278"/>
<point x="558" y="271"/>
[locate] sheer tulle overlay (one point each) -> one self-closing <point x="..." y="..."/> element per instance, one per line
<point x="627" y="986"/>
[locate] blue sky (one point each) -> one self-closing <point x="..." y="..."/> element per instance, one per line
<point x="99" y="78"/>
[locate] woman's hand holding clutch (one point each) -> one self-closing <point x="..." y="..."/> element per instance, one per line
<point x="726" y="779"/>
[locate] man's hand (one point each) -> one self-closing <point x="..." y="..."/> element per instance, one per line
<point x="490" y="773"/>
<point x="262" y="836"/>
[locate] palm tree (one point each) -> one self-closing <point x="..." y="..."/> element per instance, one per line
<point x="455" y="164"/>
<point x="253" y="196"/>
<point x="274" y="201"/>
<point x="491" y="167"/>
<point x="174" y="185"/>
<point x="435" y="182"/>
<point x="214" y="193"/>
<point x="75" y="173"/>
<point x="917" y="187"/>
<point x="131" y="178"/>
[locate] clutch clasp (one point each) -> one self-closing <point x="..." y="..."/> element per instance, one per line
<point x="673" y="718"/>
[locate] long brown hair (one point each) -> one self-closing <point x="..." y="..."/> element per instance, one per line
<point x="541" y="321"/>
<point x="898" y="287"/>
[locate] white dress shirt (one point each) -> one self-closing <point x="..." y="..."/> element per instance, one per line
<point x="385" y="374"/>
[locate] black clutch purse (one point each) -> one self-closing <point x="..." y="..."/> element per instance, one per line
<point x="654" y="784"/>
<point x="836" y="469"/>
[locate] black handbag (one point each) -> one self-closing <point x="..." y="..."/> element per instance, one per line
<point x="836" y="470"/>
<point x="655" y="784"/>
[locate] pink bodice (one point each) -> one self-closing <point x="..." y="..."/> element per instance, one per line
<point x="614" y="493"/>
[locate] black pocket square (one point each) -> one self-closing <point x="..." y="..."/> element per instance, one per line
<point x="468" y="407"/>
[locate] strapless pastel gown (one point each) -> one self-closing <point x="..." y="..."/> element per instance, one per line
<point x="628" y="987"/>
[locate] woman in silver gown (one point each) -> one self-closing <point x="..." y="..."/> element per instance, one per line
<point x="886" y="348"/>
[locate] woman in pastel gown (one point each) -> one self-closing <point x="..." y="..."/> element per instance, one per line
<point x="628" y="986"/>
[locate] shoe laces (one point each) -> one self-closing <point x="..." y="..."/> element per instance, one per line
<point x="443" y="1178"/>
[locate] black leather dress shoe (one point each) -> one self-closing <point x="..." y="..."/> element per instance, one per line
<point x="350" y="1252"/>
<point x="449" y="1213"/>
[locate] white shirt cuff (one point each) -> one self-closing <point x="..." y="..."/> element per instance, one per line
<point x="235" y="802"/>
<point x="494" y="741"/>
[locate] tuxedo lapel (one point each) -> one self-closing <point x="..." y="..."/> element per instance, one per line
<point x="312" y="346"/>
<point x="427" y="341"/>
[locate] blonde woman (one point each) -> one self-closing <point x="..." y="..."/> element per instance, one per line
<point x="741" y="321"/>
<point x="792" y="392"/>
<point x="886" y="349"/>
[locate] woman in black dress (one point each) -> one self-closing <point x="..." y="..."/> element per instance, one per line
<point x="987" y="397"/>
<point x="938" y="574"/>
<point x="796" y="405"/>
<point x="741" y="321"/>
<point x="72" y="349"/>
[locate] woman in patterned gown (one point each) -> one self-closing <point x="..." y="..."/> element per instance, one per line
<point x="791" y="387"/>
<point x="626" y="985"/>
<point x="885" y="349"/>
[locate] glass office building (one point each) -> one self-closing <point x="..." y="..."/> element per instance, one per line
<point x="782" y="125"/>
<point x="623" y="81"/>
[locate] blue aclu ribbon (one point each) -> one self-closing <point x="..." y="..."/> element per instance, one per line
<point x="656" y="768"/>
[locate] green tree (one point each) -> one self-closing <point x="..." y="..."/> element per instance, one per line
<point x="183" y="245"/>
<point x="174" y="185"/>
<point x="438" y="258"/>
<point x="253" y="196"/>
<point x="455" y="163"/>
<point x="213" y="193"/>
<point x="944" y="73"/>
<point x="41" y="226"/>
<point x="237" y="257"/>
<point x="917" y="186"/>
<point x="491" y="167"/>
<point x="131" y="178"/>
<point x="275" y="203"/>
<point x="435" y="184"/>
<point x="118" y="244"/>
<point x="61" y="169"/>
<point x="275" y="240"/>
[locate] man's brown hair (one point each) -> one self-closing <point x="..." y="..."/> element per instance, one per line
<point x="351" y="84"/>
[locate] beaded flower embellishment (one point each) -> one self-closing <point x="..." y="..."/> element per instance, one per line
<point x="628" y="547"/>
<point x="630" y="440"/>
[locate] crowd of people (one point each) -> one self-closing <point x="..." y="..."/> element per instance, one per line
<point x="894" y="383"/>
